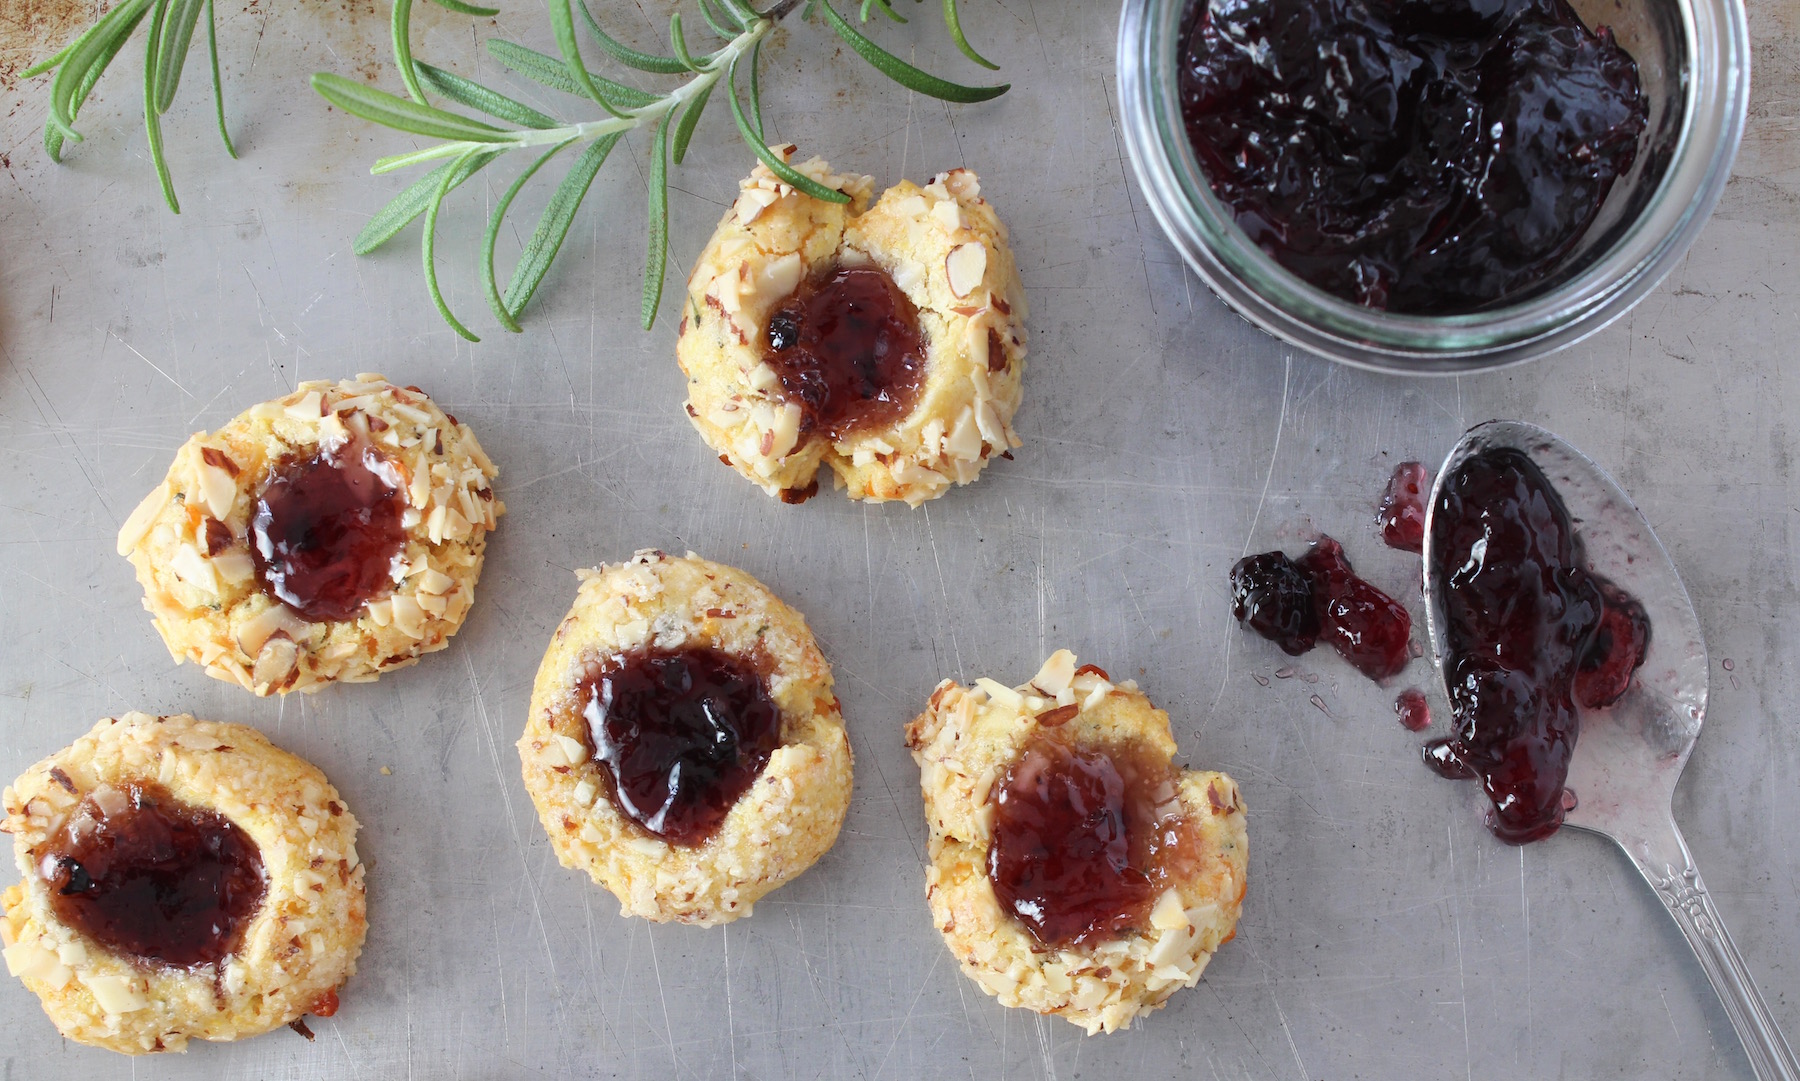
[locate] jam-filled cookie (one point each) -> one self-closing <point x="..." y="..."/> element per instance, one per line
<point x="684" y="747"/>
<point x="332" y="534"/>
<point x="885" y="342"/>
<point x="1075" y="870"/>
<point x="183" y="879"/>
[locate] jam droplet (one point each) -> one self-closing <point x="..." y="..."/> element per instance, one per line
<point x="1085" y="839"/>
<point x="1427" y="156"/>
<point x="1521" y="612"/>
<point x="848" y="350"/>
<point x="1274" y="598"/>
<point x="1293" y="603"/>
<point x="326" y="530"/>
<point x="1414" y="712"/>
<point x="682" y="734"/>
<point x="1367" y="627"/>
<point x="148" y="877"/>
<point x="1402" y="513"/>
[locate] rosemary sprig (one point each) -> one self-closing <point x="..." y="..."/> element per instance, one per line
<point x="171" y="25"/>
<point x="671" y="117"/>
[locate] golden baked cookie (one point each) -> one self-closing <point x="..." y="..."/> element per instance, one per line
<point x="1074" y="869"/>
<point x="684" y="746"/>
<point x="182" y="879"/>
<point x="332" y="534"/>
<point x="780" y="378"/>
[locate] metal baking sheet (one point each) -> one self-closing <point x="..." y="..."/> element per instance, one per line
<point x="1385" y="935"/>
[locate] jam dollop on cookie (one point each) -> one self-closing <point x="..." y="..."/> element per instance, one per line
<point x="682" y="734"/>
<point x="147" y="876"/>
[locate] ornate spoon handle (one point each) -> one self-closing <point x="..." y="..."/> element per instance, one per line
<point x="1668" y="866"/>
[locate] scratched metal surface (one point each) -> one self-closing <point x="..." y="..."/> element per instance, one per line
<point x="1386" y="935"/>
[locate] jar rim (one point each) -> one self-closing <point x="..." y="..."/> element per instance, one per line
<point x="1714" y="87"/>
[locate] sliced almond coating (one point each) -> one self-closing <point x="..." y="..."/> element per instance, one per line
<point x="965" y="266"/>
<point x="1054" y="677"/>
<point x="137" y="526"/>
<point x="258" y="629"/>
<point x="115" y="994"/>
<point x="191" y="567"/>
<point x="276" y="661"/>
<point x="409" y="617"/>
<point x="1168" y="914"/>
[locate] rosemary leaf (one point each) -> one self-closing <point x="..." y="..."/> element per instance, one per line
<point x="402" y="32"/>
<point x="549" y="71"/>
<point x="788" y="174"/>
<point x="741" y="14"/>
<point x="428" y="246"/>
<point x="562" y="21"/>
<point x="713" y="20"/>
<point x="430" y="153"/>
<point x="902" y="72"/>
<point x="475" y="96"/>
<point x="954" y="22"/>
<point x="467" y="9"/>
<point x="90" y="54"/>
<point x="171" y="54"/>
<point x="159" y="16"/>
<point x="402" y="115"/>
<point x="885" y="10"/>
<point x="50" y="62"/>
<point x="218" y="89"/>
<point x="53" y="136"/>
<point x="492" y="288"/>
<point x="656" y="246"/>
<point x="409" y="204"/>
<point x="625" y="54"/>
<point x="755" y="89"/>
<point x="679" y="41"/>
<point x="684" y="130"/>
<point x="553" y="226"/>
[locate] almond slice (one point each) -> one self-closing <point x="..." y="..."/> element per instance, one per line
<point x="965" y="266"/>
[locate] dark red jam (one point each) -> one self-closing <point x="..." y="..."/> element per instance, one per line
<point x="1412" y="709"/>
<point x="151" y="878"/>
<point x="848" y="350"/>
<point x="682" y="734"/>
<point x="1617" y="651"/>
<point x="1422" y="156"/>
<point x="1293" y="603"/>
<point x="1520" y="616"/>
<point x="1085" y="839"/>
<point x="326" y="530"/>
<point x="1402" y="513"/>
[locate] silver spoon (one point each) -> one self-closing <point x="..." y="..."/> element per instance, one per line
<point x="1628" y="757"/>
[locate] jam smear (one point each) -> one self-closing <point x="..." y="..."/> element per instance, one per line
<point x="1402" y="513"/>
<point x="326" y="530"/>
<point x="1412" y="709"/>
<point x="1085" y="838"/>
<point x="1293" y="603"/>
<point x="682" y="733"/>
<point x="1521" y="613"/>
<point x="149" y="877"/>
<point x="1419" y="156"/>
<point x="848" y="350"/>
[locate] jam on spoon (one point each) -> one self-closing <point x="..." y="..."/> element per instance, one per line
<point x="326" y="529"/>
<point x="149" y="877"/>
<point x="1085" y="839"/>
<point x="1521" y="612"/>
<point x="1295" y="602"/>
<point x="1420" y="156"/>
<point x="681" y="733"/>
<point x="848" y="350"/>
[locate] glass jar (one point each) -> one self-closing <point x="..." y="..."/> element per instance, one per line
<point x="1693" y="61"/>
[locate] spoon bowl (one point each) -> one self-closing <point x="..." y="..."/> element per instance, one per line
<point x="1629" y="756"/>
